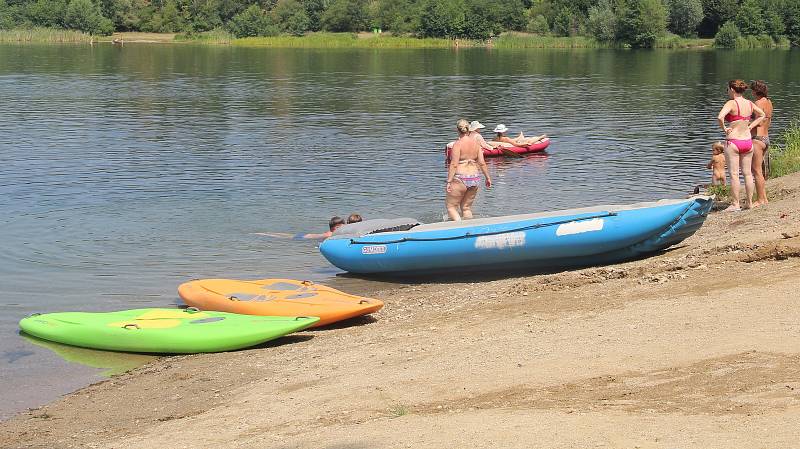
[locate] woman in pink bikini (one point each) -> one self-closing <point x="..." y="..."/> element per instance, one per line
<point x="739" y="142"/>
<point x="463" y="173"/>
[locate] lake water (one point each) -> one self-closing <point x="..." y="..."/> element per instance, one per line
<point x="126" y="171"/>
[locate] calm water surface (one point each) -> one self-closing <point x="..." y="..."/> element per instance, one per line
<point x="126" y="171"/>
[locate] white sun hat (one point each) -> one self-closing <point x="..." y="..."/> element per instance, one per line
<point x="475" y="125"/>
<point x="501" y="128"/>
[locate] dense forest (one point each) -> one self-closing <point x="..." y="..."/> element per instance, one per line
<point x="637" y="23"/>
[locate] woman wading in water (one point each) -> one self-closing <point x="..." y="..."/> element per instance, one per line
<point x="739" y="141"/>
<point x="761" y="141"/>
<point x="463" y="173"/>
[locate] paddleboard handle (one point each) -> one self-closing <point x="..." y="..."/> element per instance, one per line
<point x="34" y="314"/>
<point x="130" y="326"/>
<point x="233" y="298"/>
<point x="298" y="318"/>
<point x="191" y="310"/>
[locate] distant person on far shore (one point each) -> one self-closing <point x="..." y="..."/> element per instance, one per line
<point x="761" y="141"/>
<point x="354" y="218"/>
<point x="717" y="164"/>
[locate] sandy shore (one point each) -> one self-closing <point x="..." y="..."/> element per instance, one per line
<point x="696" y="347"/>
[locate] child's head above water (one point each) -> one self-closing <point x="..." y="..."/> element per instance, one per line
<point x="335" y="223"/>
<point x="354" y="218"/>
<point x="718" y="148"/>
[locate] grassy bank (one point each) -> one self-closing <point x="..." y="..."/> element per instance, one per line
<point x="510" y="40"/>
<point x="352" y="40"/>
<point x="368" y="40"/>
<point x="785" y="159"/>
<point x="45" y="35"/>
<point x="523" y="40"/>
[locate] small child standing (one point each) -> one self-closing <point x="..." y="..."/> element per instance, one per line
<point x="717" y="164"/>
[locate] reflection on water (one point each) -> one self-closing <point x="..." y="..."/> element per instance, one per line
<point x="126" y="171"/>
<point x="110" y="363"/>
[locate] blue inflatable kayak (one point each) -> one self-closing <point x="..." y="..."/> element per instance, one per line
<point x="577" y="237"/>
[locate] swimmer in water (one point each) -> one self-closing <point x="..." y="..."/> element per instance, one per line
<point x="333" y="224"/>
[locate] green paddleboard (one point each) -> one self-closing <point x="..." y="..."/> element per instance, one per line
<point x="171" y="331"/>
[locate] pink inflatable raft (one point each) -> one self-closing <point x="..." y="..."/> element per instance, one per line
<point x="500" y="151"/>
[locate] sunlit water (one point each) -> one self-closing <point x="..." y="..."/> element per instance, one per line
<point x="126" y="171"/>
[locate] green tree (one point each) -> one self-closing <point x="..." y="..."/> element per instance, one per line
<point x="445" y="18"/>
<point x="128" y="15"/>
<point x="749" y="20"/>
<point x="204" y="15"/>
<point x="563" y="22"/>
<point x="251" y="22"/>
<point x="229" y="8"/>
<point x="538" y="25"/>
<point x="685" y="16"/>
<point x="715" y="13"/>
<point x="7" y="19"/>
<point x="398" y="16"/>
<point x="46" y="13"/>
<point x="314" y="10"/>
<point x="774" y="25"/>
<point x="85" y="16"/>
<point x="510" y="14"/>
<point x="727" y="35"/>
<point x="345" y="15"/>
<point x="792" y="22"/>
<point x="481" y="21"/>
<point x="602" y="22"/>
<point x="291" y="17"/>
<point x="641" y="23"/>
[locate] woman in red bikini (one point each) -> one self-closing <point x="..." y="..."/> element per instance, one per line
<point x="739" y="142"/>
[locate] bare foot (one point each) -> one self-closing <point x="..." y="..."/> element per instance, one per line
<point x="732" y="208"/>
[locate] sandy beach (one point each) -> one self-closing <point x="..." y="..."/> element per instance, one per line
<point x="698" y="347"/>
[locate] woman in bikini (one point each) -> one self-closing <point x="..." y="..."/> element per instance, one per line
<point x="739" y="141"/>
<point x="463" y="173"/>
<point x="761" y="141"/>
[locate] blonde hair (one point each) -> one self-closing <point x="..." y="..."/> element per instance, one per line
<point x="718" y="147"/>
<point x="462" y="126"/>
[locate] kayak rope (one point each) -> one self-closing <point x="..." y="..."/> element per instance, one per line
<point x="482" y="234"/>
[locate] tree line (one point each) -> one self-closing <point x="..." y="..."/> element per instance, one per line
<point x="637" y="23"/>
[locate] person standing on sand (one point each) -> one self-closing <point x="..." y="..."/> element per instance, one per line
<point x="463" y="176"/>
<point x="739" y="142"/>
<point x="761" y="141"/>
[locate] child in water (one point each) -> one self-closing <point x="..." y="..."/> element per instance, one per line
<point x="333" y="224"/>
<point x="717" y="164"/>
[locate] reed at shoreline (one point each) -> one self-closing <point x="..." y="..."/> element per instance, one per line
<point x="45" y="35"/>
<point x="785" y="159"/>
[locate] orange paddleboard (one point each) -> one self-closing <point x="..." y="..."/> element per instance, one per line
<point x="276" y="297"/>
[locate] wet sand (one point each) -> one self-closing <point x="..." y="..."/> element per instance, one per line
<point x="695" y="347"/>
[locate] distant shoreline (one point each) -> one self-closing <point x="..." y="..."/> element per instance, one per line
<point x="513" y="40"/>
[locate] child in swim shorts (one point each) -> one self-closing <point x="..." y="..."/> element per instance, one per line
<point x="717" y="164"/>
